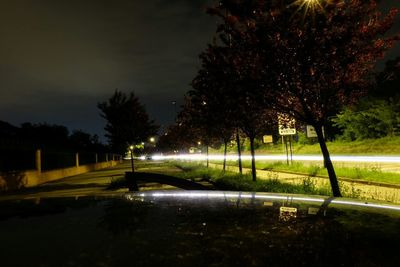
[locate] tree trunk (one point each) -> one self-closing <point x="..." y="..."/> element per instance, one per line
<point x="253" y="160"/>
<point x="133" y="167"/>
<point x="328" y="163"/>
<point x="225" y="147"/>
<point x="207" y="156"/>
<point x="239" y="152"/>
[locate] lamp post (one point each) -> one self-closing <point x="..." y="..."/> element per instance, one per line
<point x="131" y="150"/>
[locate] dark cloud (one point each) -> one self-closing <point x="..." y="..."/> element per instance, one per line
<point x="59" y="58"/>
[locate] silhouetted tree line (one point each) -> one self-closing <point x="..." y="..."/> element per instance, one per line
<point x="58" y="146"/>
<point x="50" y="137"/>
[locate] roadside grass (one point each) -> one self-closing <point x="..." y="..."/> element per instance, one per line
<point x="369" y="174"/>
<point x="232" y="181"/>
<point x="237" y="182"/>
<point x="187" y="166"/>
<point x="381" y="146"/>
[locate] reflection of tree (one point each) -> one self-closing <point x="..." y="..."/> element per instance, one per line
<point x="123" y="216"/>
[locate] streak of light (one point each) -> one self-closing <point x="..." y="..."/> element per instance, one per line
<point x="202" y="157"/>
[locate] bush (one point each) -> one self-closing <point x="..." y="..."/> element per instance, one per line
<point x="372" y="119"/>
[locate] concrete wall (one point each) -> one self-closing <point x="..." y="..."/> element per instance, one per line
<point x="29" y="178"/>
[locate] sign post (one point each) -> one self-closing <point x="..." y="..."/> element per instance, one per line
<point x="287" y="128"/>
<point x="311" y="133"/>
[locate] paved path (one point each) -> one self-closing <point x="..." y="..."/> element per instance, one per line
<point x="91" y="183"/>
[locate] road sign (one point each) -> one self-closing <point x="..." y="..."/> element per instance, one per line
<point x="312" y="133"/>
<point x="286" y="124"/>
<point x="287" y="213"/>
<point x="267" y="139"/>
<point x="287" y="131"/>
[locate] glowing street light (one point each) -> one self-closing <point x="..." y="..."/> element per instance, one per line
<point x="309" y="5"/>
<point x="152" y="139"/>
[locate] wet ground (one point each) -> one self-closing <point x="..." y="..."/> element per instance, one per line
<point x="196" y="229"/>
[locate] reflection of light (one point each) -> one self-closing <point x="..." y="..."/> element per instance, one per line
<point x="199" y="157"/>
<point x="365" y="204"/>
<point x="240" y="195"/>
<point x="231" y="195"/>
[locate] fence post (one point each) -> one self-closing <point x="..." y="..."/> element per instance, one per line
<point x="97" y="158"/>
<point x="107" y="157"/>
<point x="38" y="161"/>
<point x="77" y="159"/>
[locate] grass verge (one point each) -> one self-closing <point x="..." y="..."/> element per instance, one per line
<point x="238" y="182"/>
<point x="381" y="146"/>
<point x="369" y="174"/>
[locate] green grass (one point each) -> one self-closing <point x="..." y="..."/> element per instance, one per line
<point x="370" y="174"/>
<point x="381" y="146"/>
<point x="238" y="182"/>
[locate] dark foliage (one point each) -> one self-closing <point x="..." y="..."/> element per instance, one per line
<point x="127" y="121"/>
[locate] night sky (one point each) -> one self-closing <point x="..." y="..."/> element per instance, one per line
<point x="59" y="58"/>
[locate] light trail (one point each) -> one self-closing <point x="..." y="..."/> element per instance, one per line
<point x="338" y="158"/>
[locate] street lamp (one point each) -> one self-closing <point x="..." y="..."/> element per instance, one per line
<point x="131" y="150"/>
<point x="309" y="5"/>
<point x="152" y="139"/>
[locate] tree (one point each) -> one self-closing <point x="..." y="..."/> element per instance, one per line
<point x="209" y="102"/>
<point x="371" y="118"/>
<point x="388" y="81"/>
<point x="224" y="96"/>
<point x="178" y="137"/>
<point x="313" y="62"/>
<point x="127" y="121"/>
<point x="44" y="135"/>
